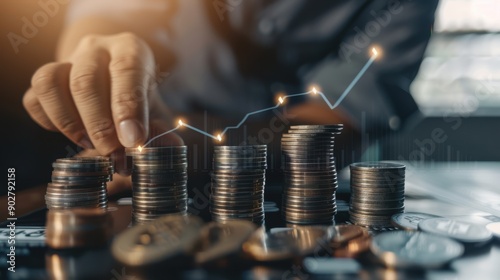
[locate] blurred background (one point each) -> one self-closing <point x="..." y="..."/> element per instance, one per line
<point x="24" y="145"/>
<point x="458" y="86"/>
<point x="457" y="90"/>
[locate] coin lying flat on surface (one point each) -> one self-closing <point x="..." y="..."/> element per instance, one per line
<point x="170" y="237"/>
<point x="410" y="220"/>
<point x="329" y="266"/>
<point x="286" y="244"/>
<point x="461" y="231"/>
<point x="405" y="249"/>
<point x="349" y="241"/>
<point x="221" y="240"/>
<point x="494" y="228"/>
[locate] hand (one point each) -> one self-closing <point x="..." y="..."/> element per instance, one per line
<point x="103" y="96"/>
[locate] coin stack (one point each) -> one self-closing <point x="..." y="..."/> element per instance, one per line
<point x="79" y="182"/>
<point x="310" y="174"/>
<point x="238" y="183"/>
<point x="377" y="192"/>
<point x="159" y="182"/>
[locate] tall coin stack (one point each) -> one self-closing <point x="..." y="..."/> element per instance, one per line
<point x="159" y="182"/>
<point x="79" y="182"/>
<point x="238" y="182"/>
<point x="310" y="174"/>
<point x="377" y="192"/>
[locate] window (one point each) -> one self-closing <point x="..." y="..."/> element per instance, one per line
<point x="461" y="69"/>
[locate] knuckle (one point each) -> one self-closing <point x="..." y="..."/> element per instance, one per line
<point x="126" y="64"/>
<point x="128" y="36"/>
<point x="124" y="108"/>
<point x="89" y="40"/>
<point x="82" y="83"/>
<point x="45" y="78"/>
<point x="68" y="125"/>
<point x="101" y="130"/>
<point x="134" y="42"/>
<point x="29" y="101"/>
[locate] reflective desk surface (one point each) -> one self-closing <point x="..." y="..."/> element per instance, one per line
<point x="464" y="191"/>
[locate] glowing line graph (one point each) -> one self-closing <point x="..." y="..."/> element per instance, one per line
<point x="281" y="100"/>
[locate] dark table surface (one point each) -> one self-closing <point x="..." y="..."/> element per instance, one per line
<point x="464" y="191"/>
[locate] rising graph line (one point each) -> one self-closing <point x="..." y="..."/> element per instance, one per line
<point x="281" y="101"/>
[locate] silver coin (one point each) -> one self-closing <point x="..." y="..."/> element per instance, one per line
<point x="494" y="228"/>
<point x="410" y="220"/>
<point x="168" y="238"/>
<point x="402" y="249"/>
<point x="458" y="230"/>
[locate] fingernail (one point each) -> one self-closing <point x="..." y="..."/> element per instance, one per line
<point x="131" y="132"/>
<point x="85" y="143"/>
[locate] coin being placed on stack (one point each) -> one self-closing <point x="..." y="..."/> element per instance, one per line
<point x="310" y="174"/>
<point x="377" y="192"/>
<point x="79" y="182"/>
<point x="159" y="182"/>
<point x="238" y="182"/>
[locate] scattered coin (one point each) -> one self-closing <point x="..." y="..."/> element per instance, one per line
<point x="349" y="241"/>
<point x="377" y="192"/>
<point x="220" y="242"/>
<point x="168" y="240"/>
<point x="331" y="266"/>
<point x="410" y="249"/>
<point x="494" y="228"/>
<point x="461" y="231"/>
<point x="410" y="220"/>
<point x="283" y="245"/>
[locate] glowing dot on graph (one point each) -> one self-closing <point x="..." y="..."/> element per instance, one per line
<point x="219" y="137"/>
<point x="180" y="123"/>
<point x="314" y="90"/>
<point x="281" y="100"/>
<point x="139" y="149"/>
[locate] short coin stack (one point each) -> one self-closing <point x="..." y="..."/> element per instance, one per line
<point x="79" y="182"/>
<point x="159" y="182"/>
<point x="238" y="183"/>
<point x="377" y="192"/>
<point x="310" y="174"/>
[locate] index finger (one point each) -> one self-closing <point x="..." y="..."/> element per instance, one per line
<point x="131" y="69"/>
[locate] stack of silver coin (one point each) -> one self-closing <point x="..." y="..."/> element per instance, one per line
<point x="79" y="182"/>
<point x="238" y="182"/>
<point x="310" y="174"/>
<point x="159" y="182"/>
<point x="377" y="192"/>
